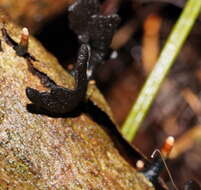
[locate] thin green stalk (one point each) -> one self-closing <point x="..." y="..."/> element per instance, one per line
<point x="172" y="48"/>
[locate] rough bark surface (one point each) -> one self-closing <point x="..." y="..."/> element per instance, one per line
<point x="42" y="152"/>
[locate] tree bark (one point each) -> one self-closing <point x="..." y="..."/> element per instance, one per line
<point x="42" y="152"/>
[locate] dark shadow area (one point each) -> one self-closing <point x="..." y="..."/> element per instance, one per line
<point x="59" y="39"/>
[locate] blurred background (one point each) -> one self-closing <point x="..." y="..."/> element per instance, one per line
<point x="137" y="43"/>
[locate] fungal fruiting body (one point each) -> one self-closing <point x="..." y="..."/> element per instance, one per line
<point x="153" y="170"/>
<point x="22" y="47"/>
<point x="95" y="32"/>
<point x="94" y="29"/>
<point x="59" y="100"/>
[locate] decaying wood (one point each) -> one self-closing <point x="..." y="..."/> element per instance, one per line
<point x="42" y="152"/>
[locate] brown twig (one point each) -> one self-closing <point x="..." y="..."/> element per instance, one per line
<point x="186" y="141"/>
<point x="151" y="37"/>
<point x="123" y="35"/>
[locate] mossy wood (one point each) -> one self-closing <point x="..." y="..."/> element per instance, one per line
<point x="42" y="152"/>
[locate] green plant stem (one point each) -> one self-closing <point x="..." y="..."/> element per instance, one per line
<point x="172" y="48"/>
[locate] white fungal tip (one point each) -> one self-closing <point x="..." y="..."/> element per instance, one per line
<point x="170" y="140"/>
<point x="25" y="31"/>
<point x="140" y="164"/>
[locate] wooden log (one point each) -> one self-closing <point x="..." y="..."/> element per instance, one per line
<point x="42" y="152"/>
